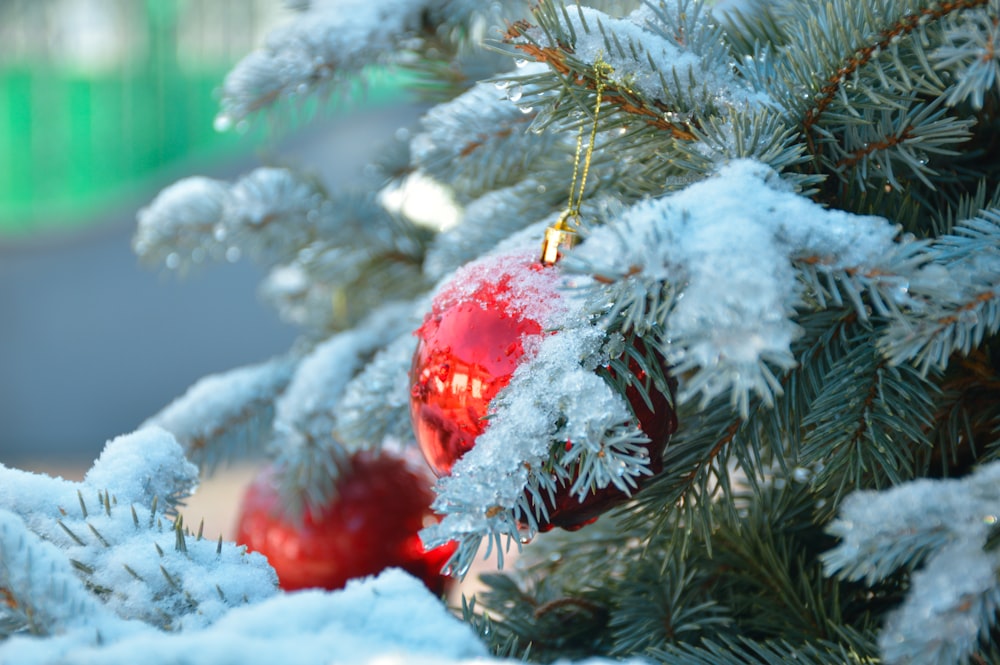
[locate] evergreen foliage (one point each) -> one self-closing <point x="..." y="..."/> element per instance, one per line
<point x="795" y="203"/>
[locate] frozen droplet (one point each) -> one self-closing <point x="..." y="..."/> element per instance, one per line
<point x="173" y="261"/>
<point x="233" y="254"/>
<point x="223" y="122"/>
<point x="514" y="92"/>
<point x="968" y="317"/>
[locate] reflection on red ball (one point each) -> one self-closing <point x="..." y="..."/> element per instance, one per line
<point x="468" y="348"/>
<point x="372" y="524"/>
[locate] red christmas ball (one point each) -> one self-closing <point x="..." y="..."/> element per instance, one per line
<point x="381" y="504"/>
<point x="468" y="348"/>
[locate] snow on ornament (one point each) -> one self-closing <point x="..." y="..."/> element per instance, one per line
<point x="483" y="324"/>
<point x="382" y="502"/>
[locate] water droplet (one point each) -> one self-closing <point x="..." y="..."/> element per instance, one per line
<point x="514" y="92"/>
<point x="526" y="109"/>
<point x="220" y="233"/>
<point x="402" y="134"/>
<point x="242" y="126"/>
<point x="223" y="122"/>
<point x="520" y="62"/>
<point x="197" y="254"/>
<point x="233" y="254"/>
<point x="173" y="261"/>
<point x="501" y="85"/>
<point x="968" y="317"/>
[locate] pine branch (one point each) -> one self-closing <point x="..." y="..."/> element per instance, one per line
<point x="308" y="459"/>
<point x="957" y="303"/>
<point x="225" y="416"/>
<point x="480" y="141"/>
<point x="865" y="44"/>
<point x="742" y="651"/>
<point x="855" y="429"/>
<point x="375" y="404"/>
<point x="969" y="51"/>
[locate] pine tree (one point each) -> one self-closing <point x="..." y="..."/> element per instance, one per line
<point x="789" y="215"/>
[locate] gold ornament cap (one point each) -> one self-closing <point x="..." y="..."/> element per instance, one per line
<point x="559" y="238"/>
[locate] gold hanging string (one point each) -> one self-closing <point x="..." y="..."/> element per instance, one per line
<point x="563" y="235"/>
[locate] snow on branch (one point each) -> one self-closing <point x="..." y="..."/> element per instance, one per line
<point x="953" y="598"/>
<point x="657" y="70"/>
<point x="228" y="413"/>
<point x="119" y="535"/>
<point x="370" y="621"/>
<point x="39" y="589"/>
<point x="199" y="219"/>
<point x="320" y="47"/>
<point x="727" y="247"/>
<point x="479" y="141"/>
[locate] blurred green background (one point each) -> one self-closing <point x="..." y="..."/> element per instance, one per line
<point x="101" y="99"/>
<point x="102" y="104"/>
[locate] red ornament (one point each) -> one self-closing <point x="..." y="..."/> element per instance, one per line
<point x="469" y="346"/>
<point x="382" y="503"/>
